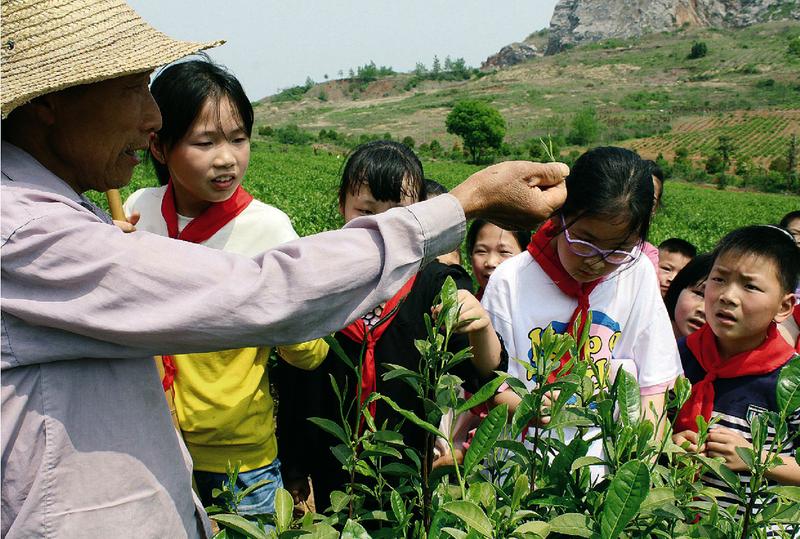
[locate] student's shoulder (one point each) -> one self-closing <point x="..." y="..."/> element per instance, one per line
<point x="520" y="264"/>
<point x="145" y="197"/>
<point x="265" y="215"/>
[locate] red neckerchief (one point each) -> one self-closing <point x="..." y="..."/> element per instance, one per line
<point x="772" y="354"/>
<point x="201" y="228"/>
<point x="542" y="251"/>
<point x="796" y="316"/>
<point x="359" y="332"/>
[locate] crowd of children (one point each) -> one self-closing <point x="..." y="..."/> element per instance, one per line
<point x="728" y="319"/>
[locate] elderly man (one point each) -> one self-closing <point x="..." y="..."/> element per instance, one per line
<point x="88" y="448"/>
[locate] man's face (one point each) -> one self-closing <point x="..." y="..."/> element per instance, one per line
<point x="98" y="129"/>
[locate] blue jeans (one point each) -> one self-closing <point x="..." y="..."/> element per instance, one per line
<point x="260" y="501"/>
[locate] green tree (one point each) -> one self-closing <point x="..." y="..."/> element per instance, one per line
<point x="409" y="141"/>
<point x="585" y="127"/>
<point x="725" y="150"/>
<point x="479" y="125"/>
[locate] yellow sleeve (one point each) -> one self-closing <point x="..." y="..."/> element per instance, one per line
<point x="305" y="355"/>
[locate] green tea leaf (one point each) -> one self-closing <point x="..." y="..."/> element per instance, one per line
<point x="322" y="530"/>
<point x="241" y="525"/>
<point x="787" y="492"/>
<point x="483" y="394"/>
<point x="526" y="411"/>
<point x="284" y="506"/>
<point x="521" y="489"/>
<point x="574" y="524"/>
<point x="788" y="391"/>
<point x="538" y="527"/>
<point x="627" y="491"/>
<point x="398" y="506"/>
<point x="748" y="456"/>
<point x="339" y="351"/>
<point x="723" y="472"/>
<point x="354" y="530"/>
<point x="656" y="498"/>
<point x="485" y="437"/>
<point x="339" y="500"/>
<point x="412" y="417"/>
<point x="628" y="397"/>
<point x="454" y="533"/>
<point x="471" y="514"/>
<point x="582" y="462"/>
<point x="331" y="428"/>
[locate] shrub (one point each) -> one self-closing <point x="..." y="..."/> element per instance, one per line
<point x="715" y="164"/>
<point x="409" y="141"/>
<point x="265" y="130"/>
<point x="292" y="134"/>
<point x="794" y="46"/>
<point x="435" y="148"/>
<point x="699" y="50"/>
<point x="585" y="127"/>
<point x="779" y="164"/>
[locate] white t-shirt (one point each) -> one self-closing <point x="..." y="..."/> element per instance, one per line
<point x="258" y="228"/>
<point x="630" y="325"/>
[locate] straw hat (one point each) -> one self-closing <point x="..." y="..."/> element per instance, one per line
<point x="49" y="45"/>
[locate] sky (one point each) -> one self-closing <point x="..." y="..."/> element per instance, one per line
<point x="272" y="44"/>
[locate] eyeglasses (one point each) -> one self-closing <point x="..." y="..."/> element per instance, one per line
<point x="585" y="249"/>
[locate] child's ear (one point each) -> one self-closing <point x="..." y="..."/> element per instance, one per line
<point x="786" y="307"/>
<point x="157" y="149"/>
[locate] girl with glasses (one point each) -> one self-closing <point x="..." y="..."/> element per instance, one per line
<point x="586" y="260"/>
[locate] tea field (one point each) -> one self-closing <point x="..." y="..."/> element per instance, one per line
<point x="304" y="185"/>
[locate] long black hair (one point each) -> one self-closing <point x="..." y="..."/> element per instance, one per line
<point x="181" y="90"/>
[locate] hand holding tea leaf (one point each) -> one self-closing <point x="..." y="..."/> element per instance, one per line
<point x="723" y="442"/>
<point x="474" y="320"/>
<point x="515" y="194"/>
<point x="690" y="438"/>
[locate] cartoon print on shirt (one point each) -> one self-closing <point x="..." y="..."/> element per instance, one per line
<point x="599" y="347"/>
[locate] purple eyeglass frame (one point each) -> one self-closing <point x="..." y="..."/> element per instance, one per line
<point x="608" y="255"/>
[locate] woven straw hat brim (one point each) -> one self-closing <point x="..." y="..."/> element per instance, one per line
<point x="49" y="45"/>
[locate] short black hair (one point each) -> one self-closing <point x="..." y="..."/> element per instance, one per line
<point x="522" y="236"/>
<point x="769" y="242"/>
<point x="678" y="245"/>
<point x="390" y="169"/>
<point x="788" y="218"/>
<point x="181" y="89"/>
<point x="434" y="188"/>
<point x="692" y="274"/>
<point x="607" y="182"/>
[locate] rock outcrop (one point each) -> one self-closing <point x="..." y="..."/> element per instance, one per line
<point x="579" y="21"/>
<point x="510" y="55"/>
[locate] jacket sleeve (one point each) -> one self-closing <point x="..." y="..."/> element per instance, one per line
<point x="90" y="290"/>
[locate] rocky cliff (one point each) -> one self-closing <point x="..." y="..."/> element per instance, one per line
<point x="510" y="55"/>
<point x="578" y="21"/>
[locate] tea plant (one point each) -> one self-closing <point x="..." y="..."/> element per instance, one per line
<point x="576" y="458"/>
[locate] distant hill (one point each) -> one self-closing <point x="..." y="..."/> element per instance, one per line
<point x="645" y="91"/>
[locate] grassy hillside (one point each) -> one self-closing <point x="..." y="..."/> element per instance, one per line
<point x="646" y="92"/>
<point x="304" y="184"/>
